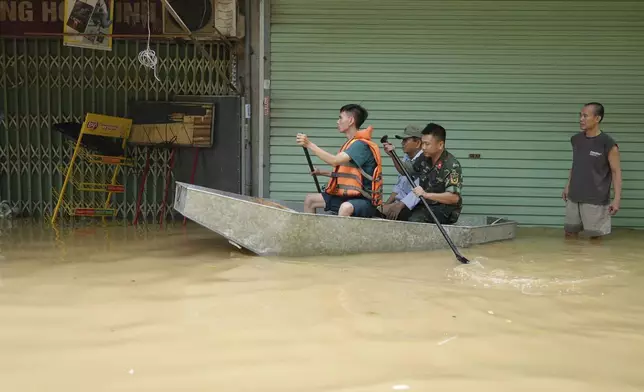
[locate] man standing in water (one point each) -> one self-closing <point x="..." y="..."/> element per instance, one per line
<point x="402" y="195"/>
<point x="355" y="187"/>
<point x="595" y="165"/>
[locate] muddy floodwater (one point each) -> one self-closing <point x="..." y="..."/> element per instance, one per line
<point x="179" y="309"/>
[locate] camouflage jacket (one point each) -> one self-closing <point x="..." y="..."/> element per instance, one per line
<point x="445" y="176"/>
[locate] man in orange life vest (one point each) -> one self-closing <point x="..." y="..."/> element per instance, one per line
<point x="355" y="186"/>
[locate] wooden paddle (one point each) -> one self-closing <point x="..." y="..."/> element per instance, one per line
<point x="458" y="255"/>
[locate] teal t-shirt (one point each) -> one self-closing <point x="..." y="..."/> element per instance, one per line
<point x="362" y="157"/>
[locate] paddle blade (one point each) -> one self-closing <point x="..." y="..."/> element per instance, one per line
<point x="462" y="259"/>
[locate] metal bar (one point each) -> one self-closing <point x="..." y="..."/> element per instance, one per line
<point x="155" y="178"/>
<point x="222" y="54"/>
<point x="168" y="85"/>
<point x="204" y="76"/>
<point x="265" y="64"/>
<point x="210" y="73"/>
<point x="5" y="104"/>
<point x="260" y="61"/>
<point x="247" y="160"/>
<point x="247" y="49"/>
<point x="39" y="130"/>
<point x="155" y="182"/>
<point x="142" y="187"/>
<point x="153" y="81"/>
<point x="59" y="138"/>
<point x="245" y="178"/>
<point x="70" y="168"/>
<point x="193" y="86"/>
<point x="115" y="176"/>
<point x="32" y="34"/>
<point x="83" y="61"/>
<point x="127" y="79"/>
<point x="106" y="63"/>
<point x="18" y="116"/>
<point x="50" y="165"/>
<point x="4" y="121"/>
<point x="93" y="94"/>
<point x="105" y="58"/>
<point x="27" y="117"/>
<point x="70" y="50"/>
<point x="126" y="88"/>
<point x="167" y="185"/>
<point x="93" y="69"/>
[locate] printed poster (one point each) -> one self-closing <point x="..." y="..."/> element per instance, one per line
<point x="94" y="19"/>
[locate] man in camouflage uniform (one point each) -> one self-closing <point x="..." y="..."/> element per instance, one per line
<point x="440" y="180"/>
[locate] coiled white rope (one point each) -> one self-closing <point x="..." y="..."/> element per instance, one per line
<point x="147" y="57"/>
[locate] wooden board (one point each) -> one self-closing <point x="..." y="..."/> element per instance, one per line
<point x="173" y="123"/>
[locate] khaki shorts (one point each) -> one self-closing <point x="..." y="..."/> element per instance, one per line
<point x="593" y="219"/>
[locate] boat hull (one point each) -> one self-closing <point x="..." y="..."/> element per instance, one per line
<point x="267" y="229"/>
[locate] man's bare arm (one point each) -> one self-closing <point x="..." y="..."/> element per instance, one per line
<point x="564" y="194"/>
<point x="616" y="169"/>
<point x="333" y="160"/>
<point x="325" y="173"/>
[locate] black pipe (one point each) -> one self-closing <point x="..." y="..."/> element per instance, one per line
<point x="248" y="82"/>
<point x="315" y="178"/>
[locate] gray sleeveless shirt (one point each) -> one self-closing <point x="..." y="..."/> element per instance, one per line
<point x="591" y="176"/>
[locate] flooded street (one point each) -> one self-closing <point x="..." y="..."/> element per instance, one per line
<point x="118" y="309"/>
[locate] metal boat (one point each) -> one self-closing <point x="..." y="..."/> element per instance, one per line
<point x="270" y="228"/>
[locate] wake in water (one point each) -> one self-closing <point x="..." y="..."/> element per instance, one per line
<point x="532" y="280"/>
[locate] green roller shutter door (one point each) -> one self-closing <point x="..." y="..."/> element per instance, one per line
<point x="506" y="79"/>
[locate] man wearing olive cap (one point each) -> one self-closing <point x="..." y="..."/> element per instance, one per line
<point x="402" y="195"/>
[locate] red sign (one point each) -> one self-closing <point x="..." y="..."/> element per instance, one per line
<point x="93" y="212"/>
<point x="116" y="188"/>
<point x="110" y="160"/>
<point x="18" y="17"/>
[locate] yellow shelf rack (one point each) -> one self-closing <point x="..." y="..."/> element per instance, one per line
<point x="75" y="206"/>
<point x="72" y="203"/>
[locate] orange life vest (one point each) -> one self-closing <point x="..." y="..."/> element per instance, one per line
<point x="347" y="180"/>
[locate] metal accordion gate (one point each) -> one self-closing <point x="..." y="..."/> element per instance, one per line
<point x="44" y="82"/>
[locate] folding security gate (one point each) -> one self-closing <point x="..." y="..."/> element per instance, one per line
<point x="44" y="82"/>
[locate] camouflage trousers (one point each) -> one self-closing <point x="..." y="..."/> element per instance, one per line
<point x="445" y="214"/>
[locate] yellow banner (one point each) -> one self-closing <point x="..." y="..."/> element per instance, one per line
<point x="101" y="125"/>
